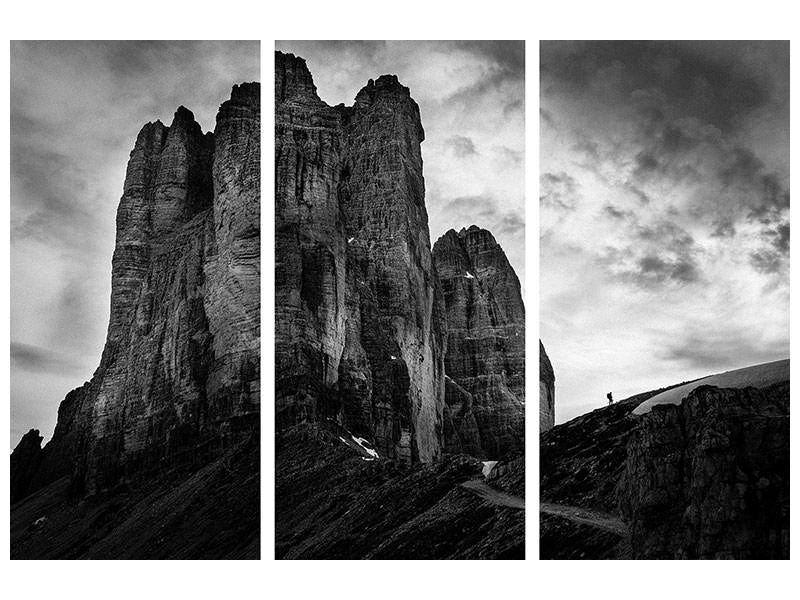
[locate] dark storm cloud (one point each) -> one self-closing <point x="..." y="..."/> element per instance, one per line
<point x="723" y="228"/>
<point x="512" y="107"/>
<point x="481" y="205"/>
<point x="714" y="82"/>
<point x="616" y="213"/>
<point x="512" y="223"/>
<point x="717" y="348"/>
<point x="767" y="261"/>
<point x="781" y="238"/>
<point x="506" y="61"/>
<point x="558" y="190"/>
<point x="657" y="269"/>
<point x="689" y="106"/>
<point x="461" y="146"/>
<point x="34" y="359"/>
<point x="653" y="255"/>
<point x="509" y="56"/>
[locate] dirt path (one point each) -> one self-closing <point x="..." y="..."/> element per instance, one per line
<point x="485" y="491"/>
<point x="603" y="521"/>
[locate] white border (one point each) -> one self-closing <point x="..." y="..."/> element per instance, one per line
<point x="410" y="19"/>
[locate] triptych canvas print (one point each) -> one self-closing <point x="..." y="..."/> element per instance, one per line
<point x="393" y="424"/>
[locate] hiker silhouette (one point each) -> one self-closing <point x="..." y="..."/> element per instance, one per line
<point x="610" y="399"/>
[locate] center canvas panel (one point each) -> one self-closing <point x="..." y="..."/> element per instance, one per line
<point x="400" y="364"/>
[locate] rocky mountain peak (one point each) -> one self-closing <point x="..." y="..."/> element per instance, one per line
<point x="183" y="115"/>
<point x="293" y="80"/>
<point x="385" y="85"/>
<point x="387" y="95"/>
<point x="178" y="379"/>
<point x="359" y="327"/>
<point x="484" y="363"/>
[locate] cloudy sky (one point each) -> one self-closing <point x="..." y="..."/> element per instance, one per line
<point x="471" y="97"/>
<point x="76" y="108"/>
<point x="664" y="207"/>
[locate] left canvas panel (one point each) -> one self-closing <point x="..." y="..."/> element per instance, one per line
<point x="135" y="247"/>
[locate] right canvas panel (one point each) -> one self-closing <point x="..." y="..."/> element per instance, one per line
<point x="664" y="300"/>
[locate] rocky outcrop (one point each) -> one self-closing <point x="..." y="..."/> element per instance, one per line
<point x="359" y="326"/>
<point x="178" y="381"/>
<point x="547" y="391"/>
<point x="334" y="501"/>
<point x="704" y="478"/>
<point x="25" y="461"/>
<point x="709" y="478"/>
<point x="485" y="358"/>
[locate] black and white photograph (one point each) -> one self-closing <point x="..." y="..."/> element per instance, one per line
<point x="399" y="312"/>
<point x="664" y="299"/>
<point x="135" y="283"/>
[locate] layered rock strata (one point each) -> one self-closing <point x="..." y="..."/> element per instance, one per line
<point x="547" y="391"/>
<point x="178" y="381"/>
<point x="485" y="358"/>
<point x="359" y="324"/>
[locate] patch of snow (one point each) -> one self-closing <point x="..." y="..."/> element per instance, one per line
<point x="361" y="442"/>
<point x="755" y="376"/>
<point x="469" y="275"/>
<point x="370" y="459"/>
<point x="488" y="465"/>
<point x="393" y="357"/>
<point x="350" y="240"/>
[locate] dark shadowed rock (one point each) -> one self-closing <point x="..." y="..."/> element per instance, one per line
<point x="25" y="461"/>
<point x="485" y="359"/>
<point x="709" y="478"/>
<point x="705" y="478"/>
<point x="547" y="391"/>
<point x="359" y="329"/>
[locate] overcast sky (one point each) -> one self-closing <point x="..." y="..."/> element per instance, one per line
<point x="76" y="108"/>
<point x="664" y="209"/>
<point x="471" y="97"/>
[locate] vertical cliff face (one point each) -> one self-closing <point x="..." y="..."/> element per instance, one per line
<point x="705" y="478"/>
<point x="178" y="378"/>
<point x="547" y="391"/>
<point x="485" y="359"/>
<point x="709" y="478"/>
<point x="359" y="327"/>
